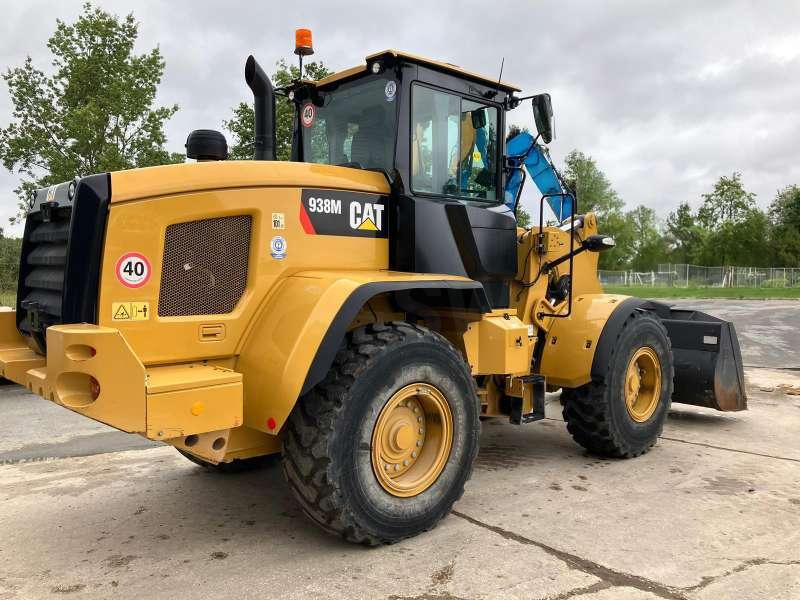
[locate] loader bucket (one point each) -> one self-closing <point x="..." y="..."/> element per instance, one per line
<point x="708" y="361"/>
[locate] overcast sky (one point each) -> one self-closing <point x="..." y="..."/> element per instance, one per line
<point x="666" y="96"/>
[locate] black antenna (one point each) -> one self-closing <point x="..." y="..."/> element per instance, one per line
<point x="502" y="63"/>
<point x="492" y="93"/>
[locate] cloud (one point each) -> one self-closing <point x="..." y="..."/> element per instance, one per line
<point x="665" y="96"/>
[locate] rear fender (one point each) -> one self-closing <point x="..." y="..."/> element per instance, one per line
<point x="292" y="343"/>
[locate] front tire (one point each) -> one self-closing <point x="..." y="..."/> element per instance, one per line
<point x="622" y="414"/>
<point x="382" y="448"/>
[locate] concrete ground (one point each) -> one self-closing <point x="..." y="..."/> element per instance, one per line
<point x="712" y="512"/>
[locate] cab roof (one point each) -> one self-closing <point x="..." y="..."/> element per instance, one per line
<point x="420" y="60"/>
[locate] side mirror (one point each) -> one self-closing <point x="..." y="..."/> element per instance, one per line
<point x="479" y="118"/>
<point x="543" y="116"/>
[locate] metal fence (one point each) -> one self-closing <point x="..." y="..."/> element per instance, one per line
<point x="680" y="275"/>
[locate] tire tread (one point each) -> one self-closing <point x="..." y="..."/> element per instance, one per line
<point x="586" y="409"/>
<point x="311" y="429"/>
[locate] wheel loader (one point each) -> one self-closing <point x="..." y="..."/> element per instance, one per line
<point x="356" y="311"/>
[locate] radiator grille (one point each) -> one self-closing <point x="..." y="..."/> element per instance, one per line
<point x="204" y="271"/>
<point x="43" y="266"/>
<point x="62" y="248"/>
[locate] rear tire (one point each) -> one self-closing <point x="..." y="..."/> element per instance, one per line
<point x="611" y="416"/>
<point x="337" y="434"/>
<point x="238" y="465"/>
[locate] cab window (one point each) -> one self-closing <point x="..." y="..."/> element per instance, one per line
<point x="453" y="145"/>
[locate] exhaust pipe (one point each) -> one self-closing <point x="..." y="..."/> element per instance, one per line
<point x="264" y="105"/>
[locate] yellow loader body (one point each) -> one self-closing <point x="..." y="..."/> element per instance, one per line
<point x="233" y="376"/>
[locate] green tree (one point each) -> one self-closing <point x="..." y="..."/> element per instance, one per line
<point x="523" y="217"/>
<point x="96" y="112"/>
<point x="729" y="201"/>
<point x="736" y="230"/>
<point x="595" y="193"/>
<point x="738" y="243"/>
<point x="683" y="235"/>
<point x="243" y="119"/>
<point x="619" y="226"/>
<point x="784" y="214"/>
<point x="590" y="184"/>
<point x="9" y="266"/>
<point x="649" y="246"/>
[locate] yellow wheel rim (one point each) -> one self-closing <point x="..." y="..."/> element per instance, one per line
<point x="412" y="439"/>
<point x="643" y="384"/>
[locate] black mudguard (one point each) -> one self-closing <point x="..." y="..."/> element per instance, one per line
<point x="707" y="358"/>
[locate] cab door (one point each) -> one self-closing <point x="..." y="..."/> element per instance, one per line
<point x="453" y="220"/>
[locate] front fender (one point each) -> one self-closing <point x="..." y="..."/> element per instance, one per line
<point x="292" y="343"/>
<point x="572" y="343"/>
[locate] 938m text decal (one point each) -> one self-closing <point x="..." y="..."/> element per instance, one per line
<point x="334" y="212"/>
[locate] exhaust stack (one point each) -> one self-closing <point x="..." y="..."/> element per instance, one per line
<point x="264" y="105"/>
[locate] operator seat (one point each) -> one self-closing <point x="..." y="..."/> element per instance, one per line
<point x="370" y="148"/>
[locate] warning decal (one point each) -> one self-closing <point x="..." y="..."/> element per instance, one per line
<point x="133" y="270"/>
<point x="130" y="311"/>
<point x="352" y="214"/>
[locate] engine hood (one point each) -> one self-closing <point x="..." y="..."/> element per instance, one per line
<point x="149" y="182"/>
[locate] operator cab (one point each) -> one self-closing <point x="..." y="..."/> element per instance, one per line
<point x="449" y="145"/>
<point x="437" y="133"/>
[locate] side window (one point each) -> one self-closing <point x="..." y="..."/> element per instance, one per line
<point x="453" y="146"/>
<point x="477" y="169"/>
<point x="434" y="139"/>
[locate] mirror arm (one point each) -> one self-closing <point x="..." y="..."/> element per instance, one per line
<point x="513" y="102"/>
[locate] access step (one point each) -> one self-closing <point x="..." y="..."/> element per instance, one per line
<point x="533" y="390"/>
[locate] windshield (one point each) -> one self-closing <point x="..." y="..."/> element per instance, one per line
<point x="355" y="126"/>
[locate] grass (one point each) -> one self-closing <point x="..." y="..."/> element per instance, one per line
<point x="706" y="292"/>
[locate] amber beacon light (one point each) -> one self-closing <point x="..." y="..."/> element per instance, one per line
<point x="303" y="45"/>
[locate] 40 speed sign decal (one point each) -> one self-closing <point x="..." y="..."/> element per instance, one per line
<point x="133" y="270"/>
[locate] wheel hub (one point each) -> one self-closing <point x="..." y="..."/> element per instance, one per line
<point x="412" y="439"/>
<point x="643" y="384"/>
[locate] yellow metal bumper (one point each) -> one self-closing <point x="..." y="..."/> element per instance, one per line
<point x="93" y="371"/>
